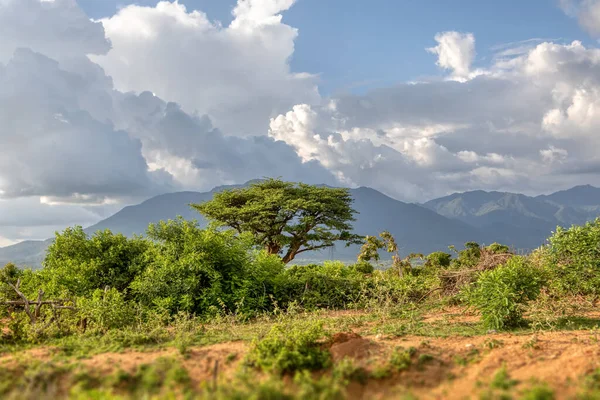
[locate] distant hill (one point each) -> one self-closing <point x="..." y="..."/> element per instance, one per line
<point x="416" y="228"/>
<point x="514" y="219"/>
<point x="519" y="220"/>
<point x="578" y="196"/>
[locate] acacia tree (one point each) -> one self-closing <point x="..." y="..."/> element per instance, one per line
<point x="285" y="218"/>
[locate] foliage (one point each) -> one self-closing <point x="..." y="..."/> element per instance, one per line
<point x="437" y="260"/>
<point x="106" y="309"/>
<point x="290" y="347"/>
<point x="501" y="293"/>
<point x="76" y="264"/>
<point x="9" y="275"/>
<point x="498" y="248"/>
<point x="400" y="359"/>
<point x="372" y="244"/>
<point x="502" y="379"/>
<point x="323" y="388"/>
<point x="370" y="252"/>
<point x="199" y="271"/>
<point x="468" y="257"/>
<point x="573" y="259"/>
<point x="346" y="370"/>
<point x="331" y="285"/>
<point x="284" y="217"/>
<point x="538" y="392"/>
<point x="389" y="289"/>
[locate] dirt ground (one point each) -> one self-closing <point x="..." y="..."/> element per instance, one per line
<point x="442" y="367"/>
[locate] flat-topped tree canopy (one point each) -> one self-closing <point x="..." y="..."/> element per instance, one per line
<point x="285" y="218"/>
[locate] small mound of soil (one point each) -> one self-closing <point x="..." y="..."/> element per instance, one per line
<point x="350" y="345"/>
<point x="342" y="337"/>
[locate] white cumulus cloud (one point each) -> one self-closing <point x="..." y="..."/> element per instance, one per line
<point x="239" y="74"/>
<point x="456" y="52"/>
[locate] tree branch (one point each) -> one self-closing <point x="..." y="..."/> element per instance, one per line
<point x="322" y="246"/>
<point x="25" y="301"/>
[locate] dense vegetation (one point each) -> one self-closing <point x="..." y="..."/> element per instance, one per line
<point x="107" y="288"/>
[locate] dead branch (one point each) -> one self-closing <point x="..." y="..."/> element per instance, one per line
<point x="454" y="281"/>
<point x="38" y="303"/>
<point x="25" y="301"/>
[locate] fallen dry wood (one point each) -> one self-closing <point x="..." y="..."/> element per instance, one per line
<point x="35" y="304"/>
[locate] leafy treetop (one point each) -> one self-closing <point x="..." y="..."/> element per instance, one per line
<point x="285" y="218"/>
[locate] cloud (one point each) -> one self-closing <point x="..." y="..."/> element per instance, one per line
<point x="238" y="75"/>
<point x="58" y="29"/>
<point x="75" y="148"/>
<point x="95" y="115"/>
<point x="200" y="156"/>
<point x="527" y="123"/>
<point x="54" y="147"/>
<point x="587" y="13"/>
<point x="456" y="52"/>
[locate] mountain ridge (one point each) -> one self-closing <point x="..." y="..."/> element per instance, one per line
<point x="484" y="216"/>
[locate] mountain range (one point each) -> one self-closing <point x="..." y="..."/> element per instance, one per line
<point x="514" y="219"/>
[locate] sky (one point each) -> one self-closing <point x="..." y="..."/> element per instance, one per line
<point x="106" y="103"/>
<point x="358" y="45"/>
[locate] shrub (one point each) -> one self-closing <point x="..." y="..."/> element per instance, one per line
<point x="79" y="264"/>
<point x="346" y="370"/>
<point x="573" y="258"/>
<point x="501" y="293"/>
<point x="538" y="392"/>
<point x="498" y="248"/>
<point x="363" y="267"/>
<point x="290" y="347"/>
<point x="468" y="257"/>
<point x="437" y="260"/>
<point x="387" y="288"/>
<point x="9" y="275"/>
<point x="194" y="270"/>
<point x="323" y="388"/>
<point x="106" y="309"/>
<point x="262" y="279"/>
<point x="400" y="358"/>
<point x="331" y="285"/>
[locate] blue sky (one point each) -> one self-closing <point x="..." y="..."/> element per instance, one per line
<point x="356" y="45"/>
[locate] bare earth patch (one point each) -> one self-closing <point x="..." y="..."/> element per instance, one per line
<point x="455" y="367"/>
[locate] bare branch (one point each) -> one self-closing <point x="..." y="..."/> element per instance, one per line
<point x="25" y="301"/>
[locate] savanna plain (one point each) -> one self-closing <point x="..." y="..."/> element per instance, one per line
<point x="223" y="312"/>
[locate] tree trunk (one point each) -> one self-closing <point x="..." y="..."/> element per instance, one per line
<point x="291" y="253"/>
<point x="272" y="248"/>
<point x="288" y="257"/>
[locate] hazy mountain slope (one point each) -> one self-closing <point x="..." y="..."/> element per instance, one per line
<point x="416" y="228"/>
<point x="135" y="219"/>
<point x="514" y="219"/>
<point x="29" y="252"/>
<point x="517" y="219"/>
<point x="584" y="195"/>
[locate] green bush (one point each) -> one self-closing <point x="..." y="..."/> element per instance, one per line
<point x="437" y="260"/>
<point x="387" y="288"/>
<point x="201" y="270"/>
<point x="106" y="309"/>
<point x="363" y="267"/>
<point x="468" y="257"/>
<point x="290" y="347"/>
<point x="572" y="257"/>
<point x="501" y="293"/>
<point x="9" y="274"/>
<point x="498" y="248"/>
<point x="332" y="285"/>
<point x="77" y="264"/>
